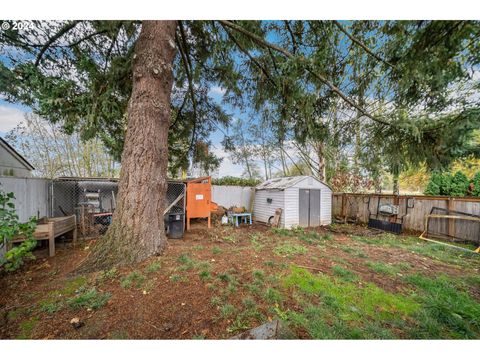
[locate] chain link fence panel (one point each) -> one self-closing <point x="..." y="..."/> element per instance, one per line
<point x="93" y="201"/>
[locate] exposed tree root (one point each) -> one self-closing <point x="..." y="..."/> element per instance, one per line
<point x="118" y="247"/>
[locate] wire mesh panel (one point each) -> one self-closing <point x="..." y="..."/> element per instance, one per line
<point x="175" y="198"/>
<point x="174" y="214"/>
<point x="93" y="201"/>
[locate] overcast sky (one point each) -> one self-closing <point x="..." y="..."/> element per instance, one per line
<point x="12" y="114"/>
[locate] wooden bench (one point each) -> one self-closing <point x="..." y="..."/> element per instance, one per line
<point x="50" y="228"/>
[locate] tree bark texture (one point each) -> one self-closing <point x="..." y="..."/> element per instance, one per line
<point x="321" y="162"/>
<point x="137" y="230"/>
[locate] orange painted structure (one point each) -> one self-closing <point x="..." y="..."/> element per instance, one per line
<point x="199" y="199"/>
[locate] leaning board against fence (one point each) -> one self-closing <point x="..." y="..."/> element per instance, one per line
<point x="413" y="209"/>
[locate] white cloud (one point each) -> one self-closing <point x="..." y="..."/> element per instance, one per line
<point x="217" y="90"/>
<point x="9" y="118"/>
<point x="227" y="167"/>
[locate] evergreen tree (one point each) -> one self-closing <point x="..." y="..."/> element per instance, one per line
<point x="143" y="88"/>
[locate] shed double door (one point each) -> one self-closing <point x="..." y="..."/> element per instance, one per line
<point x="309" y="207"/>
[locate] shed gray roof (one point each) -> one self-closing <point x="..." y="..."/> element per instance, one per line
<point x="285" y="182"/>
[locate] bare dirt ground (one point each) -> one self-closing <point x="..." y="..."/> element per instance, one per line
<point x="198" y="288"/>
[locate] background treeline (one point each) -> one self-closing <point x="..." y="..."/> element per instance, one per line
<point x="457" y="184"/>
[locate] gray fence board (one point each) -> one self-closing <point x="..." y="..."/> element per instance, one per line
<point x="31" y="195"/>
<point x="356" y="206"/>
<point x="228" y="196"/>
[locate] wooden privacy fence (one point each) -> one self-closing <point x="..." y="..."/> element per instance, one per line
<point x="413" y="209"/>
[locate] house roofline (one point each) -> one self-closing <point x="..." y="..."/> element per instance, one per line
<point x="16" y="154"/>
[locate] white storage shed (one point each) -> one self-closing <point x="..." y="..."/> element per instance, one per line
<point x="304" y="200"/>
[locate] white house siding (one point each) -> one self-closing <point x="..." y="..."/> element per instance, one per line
<point x="11" y="164"/>
<point x="263" y="210"/>
<point x="291" y="207"/>
<point x="14" y="171"/>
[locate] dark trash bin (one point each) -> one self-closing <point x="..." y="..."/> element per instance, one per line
<point x="174" y="225"/>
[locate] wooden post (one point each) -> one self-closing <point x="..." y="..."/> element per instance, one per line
<point x="344" y="200"/>
<point x="451" y="222"/>
<point x="51" y="238"/>
<point x="252" y="199"/>
<point x="75" y="232"/>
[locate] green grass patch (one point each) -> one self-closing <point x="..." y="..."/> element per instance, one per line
<point x="89" y="299"/>
<point x="351" y="302"/>
<point x="26" y="328"/>
<point x="343" y="273"/>
<point x="14" y="314"/>
<point x="382" y="240"/>
<point x="282" y="232"/>
<point x="73" y="285"/>
<point x="109" y="274"/>
<point x="187" y="262"/>
<point x="273" y="296"/>
<point x="258" y="274"/>
<point x="203" y="265"/>
<point x="310" y="237"/>
<point x="339" y="260"/>
<point x="205" y="275"/>
<point x="332" y="308"/>
<point x="327" y="237"/>
<point x="239" y="324"/>
<point x="230" y="239"/>
<point x="448" y="310"/>
<point x="216" y="250"/>
<point x="227" y="310"/>
<point x="231" y="288"/>
<point x="153" y="267"/>
<point x="50" y="306"/>
<point x="354" y="252"/>
<point x="289" y="249"/>
<point x="226" y="277"/>
<point x="216" y="301"/>
<point x="253" y="288"/>
<point x="382" y="268"/>
<point x="178" y="278"/>
<point x="320" y="324"/>
<point x="444" y="253"/>
<point x="420" y="247"/>
<point x="403" y="265"/>
<point x="249" y="303"/>
<point x="134" y="279"/>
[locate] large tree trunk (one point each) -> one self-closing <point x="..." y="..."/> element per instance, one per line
<point x="396" y="174"/>
<point x="137" y="230"/>
<point x="321" y="162"/>
<point x="396" y="187"/>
